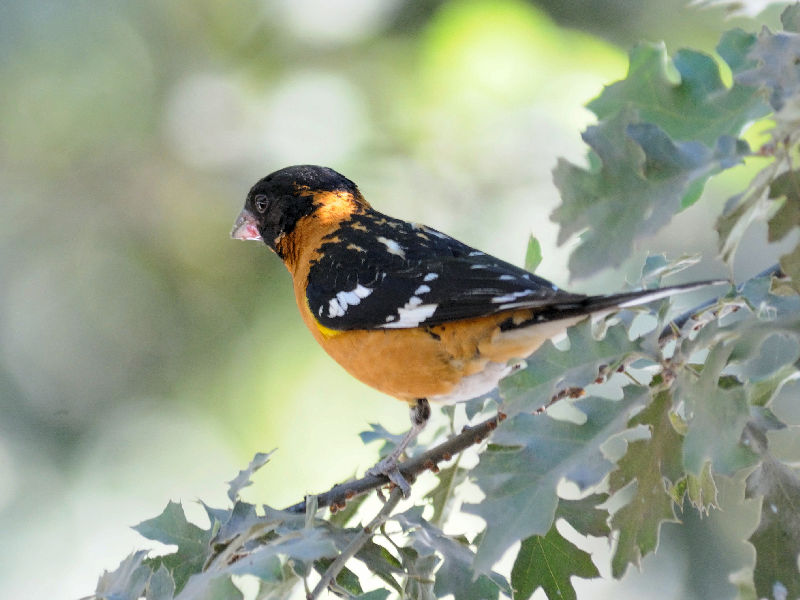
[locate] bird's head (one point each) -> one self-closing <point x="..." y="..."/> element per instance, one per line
<point x="277" y="202"/>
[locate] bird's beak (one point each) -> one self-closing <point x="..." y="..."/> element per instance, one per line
<point x="245" y="227"/>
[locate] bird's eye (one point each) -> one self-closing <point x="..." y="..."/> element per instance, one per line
<point x="261" y="203"/>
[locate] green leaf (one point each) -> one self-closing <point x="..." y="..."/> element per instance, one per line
<point x="584" y="516"/>
<point x="240" y="520"/>
<point x="127" y="582"/>
<point x="379" y="432"/>
<point x="777" y="537"/>
<point x="787" y="187"/>
<point x="279" y="588"/>
<point x="656" y="267"/>
<point x="779" y="312"/>
<point x="716" y="419"/>
<point x="171" y="527"/>
<point x="261" y="557"/>
<point x="456" y="575"/>
<point x="686" y="96"/>
<point x="776" y="55"/>
<point x="442" y="494"/>
<point x="529" y="456"/>
<point x="381" y="562"/>
<point x="715" y="432"/>
<point x="419" y="570"/>
<point x="549" y="562"/>
<point x="641" y="183"/>
<point x="734" y="48"/>
<point x="790" y="18"/>
<point x="242" y="480"/>
<point x="645" y="465"/>
<point x="220" y="588"/>
<point x="533" y="255"/>
<point x="701" y="490"/>
<point x="790" y="264"/>
<point x="346" y="579"/>
<point x="761" y="393"/>
<point x="550" y="370"/>
<point x="773" y="351"/>
<point x="160" y="586"/>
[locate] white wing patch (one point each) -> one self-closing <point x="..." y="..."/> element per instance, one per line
<point x="431" y="277"/>
<point x="338" y="305"/>
<point x="511" y="297"/>
<point x="414" y="312"/>
<point x="392" y="247"/>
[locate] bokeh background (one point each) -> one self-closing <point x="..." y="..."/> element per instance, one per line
<point x="145" y="356"/>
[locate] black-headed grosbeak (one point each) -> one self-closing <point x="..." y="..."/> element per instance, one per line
<point x="402" y="307"/>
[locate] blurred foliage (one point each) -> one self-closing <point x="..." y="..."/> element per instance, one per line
<point x="138" y="342"/>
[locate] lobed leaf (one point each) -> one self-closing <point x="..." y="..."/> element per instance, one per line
<point x="172" y="528"/>
<point x="442" y="495"/>
<point x="646" y="465"/>
<point x="160" y="586"/>
<point x="643" y="178"/>
<point x="776" y="56"/>
<point x="127" y="582"/>
<point x="685" y="96"/>
<point x="549" y="562"/>
<point x="242" y="480"/>
<point x="550" y="370"/>
<point x="528" y="457"/>
<point x="716" y="419"/>
<point x="584" y="516"/>
<point x="455" y="575"/>
<point x="381" y="563"/>
<point x="777" y="537"/>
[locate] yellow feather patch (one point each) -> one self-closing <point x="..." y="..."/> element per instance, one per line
<point x="327" y="331"/>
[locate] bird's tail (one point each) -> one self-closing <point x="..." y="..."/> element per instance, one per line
<point x="594" y="304"/>
<point x="521" y="337"/>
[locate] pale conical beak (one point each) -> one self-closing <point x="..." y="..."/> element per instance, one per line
<point x="245" y="227"/>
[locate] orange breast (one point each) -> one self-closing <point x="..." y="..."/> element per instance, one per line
<point x="427" y="362"/>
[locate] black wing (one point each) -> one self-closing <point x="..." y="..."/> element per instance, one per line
<point x="378" y="272"/>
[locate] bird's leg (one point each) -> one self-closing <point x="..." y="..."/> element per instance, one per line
<point x="420" y="413"/>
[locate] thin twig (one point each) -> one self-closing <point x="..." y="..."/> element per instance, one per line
<point x="356" y="544"/>
<point x="339" y="494"/>
<point x="672" y="329"/>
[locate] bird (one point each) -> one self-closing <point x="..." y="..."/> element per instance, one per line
<point x="403" y="307"/>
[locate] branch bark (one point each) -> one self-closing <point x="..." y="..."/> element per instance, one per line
<point x="338" y="495"/>
<point x="355" y="544"/>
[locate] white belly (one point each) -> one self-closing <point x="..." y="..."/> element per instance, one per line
<point x="477" y="384"/>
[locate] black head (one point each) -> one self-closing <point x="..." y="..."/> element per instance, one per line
<point x="277" y="202"/>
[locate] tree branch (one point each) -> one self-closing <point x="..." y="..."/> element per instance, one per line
<point x="339" y="494"/>
<point x="356" y="543"/>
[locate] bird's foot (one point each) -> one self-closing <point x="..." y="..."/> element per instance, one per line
<point x="388" y="468"/>
<point x="420" y="413"/>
